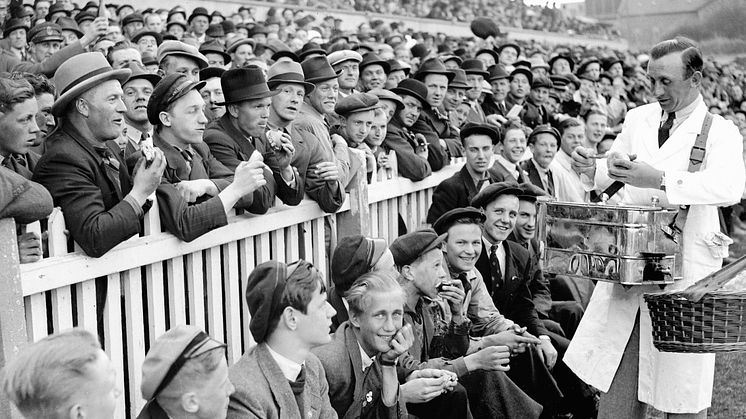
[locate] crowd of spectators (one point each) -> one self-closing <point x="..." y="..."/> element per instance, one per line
<point x="103" y="109"/>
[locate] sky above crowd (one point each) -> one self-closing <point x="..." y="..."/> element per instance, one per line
<point x="543" y="2"/>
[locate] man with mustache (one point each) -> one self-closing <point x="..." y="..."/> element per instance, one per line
<point x="212" y="93"/>
<point x="281" y="377"/>
<point x="457" y="191"/>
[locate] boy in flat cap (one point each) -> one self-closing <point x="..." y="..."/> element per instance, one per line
<point x="435" y="309"/>
<point x="64" y="375"/>
<point x="543" y="142"/>
<point x="361" y="361"/>
<point x="185" y="375"/>
<point x="412" y="150"/>
<point x="457" y="191"/>
<point x="512" y="147"/>
<point x="197" y="192"/>
<point x="356" y="113"/>
<point x="280" y="377"/>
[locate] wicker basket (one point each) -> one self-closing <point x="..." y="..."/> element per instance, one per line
<point x="704" y="318"/>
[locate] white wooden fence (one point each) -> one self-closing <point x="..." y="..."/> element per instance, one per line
<point x="151" y="283"/>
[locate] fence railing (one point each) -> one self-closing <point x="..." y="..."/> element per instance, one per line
<point x="148" y="284"/>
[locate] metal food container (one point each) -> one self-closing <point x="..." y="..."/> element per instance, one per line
<point x="623" y="244"/>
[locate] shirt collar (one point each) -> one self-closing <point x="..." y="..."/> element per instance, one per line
<point x="290" y="369"/>
<point x="686" y="111"/>
<point x="508" y="165"/>
<point x="366" y="360"/>
<point x="538" y="167"/>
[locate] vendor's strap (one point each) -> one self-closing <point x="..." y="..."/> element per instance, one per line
<point x="696" y="158"/>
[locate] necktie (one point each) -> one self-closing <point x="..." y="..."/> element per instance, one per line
<point x="481" y="184"/>
<point x="495" y="271"/>
<point x="187" y="155"/>
<point x="550" y="183"/>
<point x="665" y="130"/>
<point x="297" y="386"/>
<point x="110" y="165"/>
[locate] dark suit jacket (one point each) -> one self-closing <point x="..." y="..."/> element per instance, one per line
<point x="309" y="152"/>
<point x="539" y="285"/>
<point x="436" y="156"/>
<point x="349" y="385"/>
<point x="411" y="165"/>
<point x="534" y="115"/>
<point x="231" y="147"/>
<point x="263" y="392"/>
<point x="76" y="176"/>
<point x="498" y="173"/>
<point x="533" y="173"/>
<point x="454" y="192"/>
<point x="514" y="299"/>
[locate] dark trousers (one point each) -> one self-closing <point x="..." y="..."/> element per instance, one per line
<point x="530" y="374"/>
<point x="453" y="404"/>
<point x="492" y="394"/>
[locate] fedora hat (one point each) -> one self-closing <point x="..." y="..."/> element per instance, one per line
<point x="318" y="70"/>
<point x="287" y="72"/>
<point x="459" y="81"/>
<point x="245" y="83"/>
<point x="214" y="47"/>
<point x="81" y="73"/>
<point x="198" y="11"/>
<point x="414" y="88"/>
<point x="140" y="72"/>
<point x="474" y="66"/>
<point x="211" y="72"/>
<point x="236" y="42"/>
<point x="371" y="58"/>
<point x="280" y="49"/>
<point x="396" y="65"/>
<point x="181" y="49"/>
<point x="497" y="72"/>
<point x="433" y="66"/>
<point x="309" y="49"/>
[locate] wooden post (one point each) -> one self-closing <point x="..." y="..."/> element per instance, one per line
<point x="357" y="219"/>
<point x="12" y="315"/>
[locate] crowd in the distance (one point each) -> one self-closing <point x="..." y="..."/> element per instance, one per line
<point x="212" y="116"/>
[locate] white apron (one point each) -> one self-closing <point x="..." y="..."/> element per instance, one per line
<point x="670" y="382"/>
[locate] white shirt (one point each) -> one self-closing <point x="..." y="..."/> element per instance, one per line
<point x="567" y="184"/>
<point x="134" y="135"/>
<point x="290" y="369"/>
<point x="367" y="361"/>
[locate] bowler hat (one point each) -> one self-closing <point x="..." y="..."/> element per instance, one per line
<point x="371" y="58"/>
<point x="170" y="89"/>
<point x="449" y="57"/>
<point x="258" y="29"/>
<point x="84" y="17"/>
<point x="198" y="11"/>
<point x="317" y="70"/>
<point x="494" y="191"/>
<point x="44" y="32"/>
<point x="214" y="47"/>
<point x="132" y="18"/>
<point x="497" y="72"/>
<point x="181" y="49"/>
<point x="585" y="63"/>
<point x="245" y="83"/>
<point x="409" y="247"/>
<point x="228" y="26"/>
<point x="562" y="57"/>
<point x="168" y="354"/>
<point x="459" y="80"/>
<point x="525" y="71"/>
<point x="338" y="57"/>
<point x="236" y="42"/>
<point x="144" y="32"/>
<point x="280" y="49"/>
<point x="215" y="31"/>
<point x="211" y="72"/>
<point x="356" y="102"/>
<point x="609" y="61"/>
<point x="433" y="66"/>
<point x="489" y="130"/>
<point x="140" y="72"/>
<point x="419" y="51"/>
<point x="509" y="45"/>
<point x="474" y="66"/>
<point x="489" y="51"/>
<point x="81" y="73"/>
<point x="445" y="221"/>
<point x="287" y="72"/>
<point x="414" y="88"/>
<point x="176" y="22"/>
<point x="544" y="129"/>
<point x="309" y="49"/>
<point x="485" y="27"/>
<point x="353" y="257"/>
<point x="14" y="24"/>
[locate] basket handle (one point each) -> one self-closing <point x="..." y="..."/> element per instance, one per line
<point x="714" y="281"/>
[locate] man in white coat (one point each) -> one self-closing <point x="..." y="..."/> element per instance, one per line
<point x="613" y="349"/>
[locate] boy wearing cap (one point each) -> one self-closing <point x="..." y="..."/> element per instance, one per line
<point x="66" y="375"/>
<point x="185" y="375"/>
<point x="281" y="377"/>
<point x="435" y="308"/>
<point x="240" y="134"/>
<point x="356" y="113"/>
<point x="478" y="141"/>
<point x="178" y="57"/>
<point x="536" y="111"/>
<point x="317" y="169"/>
<point x="361" y="361"/>
<point x="198" y="192"/>
<point x="412" y="150"/>
<point x="137" y="90"/>
<point x="543" y="143"/>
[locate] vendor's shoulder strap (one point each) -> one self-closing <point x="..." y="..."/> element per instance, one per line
<point x="696" y="158"/>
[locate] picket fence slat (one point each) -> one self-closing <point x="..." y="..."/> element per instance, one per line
<point x="113" y="340"/>
<point x="195" y="289"/>
<point x="156" y="301"/>
<point x="135" y="332"/>
<point x="233" y="299"/>
<point x="214" y="293"/>
<point x="176" y="290"/>
<point x="36" y="316"/>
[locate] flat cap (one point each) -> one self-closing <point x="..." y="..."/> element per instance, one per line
<point x="385" y="94"/>
<point x="472" y="128"/>
<point x="445" y="221"/>
<point x="407" y="248"/>
<point x="494" y="191"/>
<point x="544" y="129"/>
<point x="356" y="102"/>
<point x="353" y="257"/>
<point x="531" y="192"/>
<point x="169" y="353"/>
<point x="132" y="18"/>
<point x="542" y="81"/>
<point x="179" y="48"/>
<point x="338" y="57"/>
<point x="170" y="89"/>
<point x="525" y="71"/>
